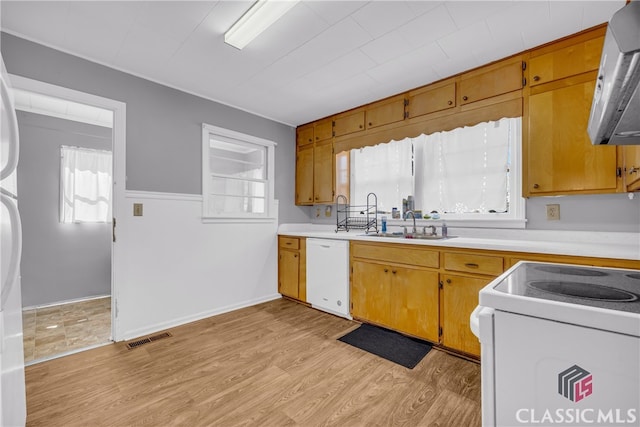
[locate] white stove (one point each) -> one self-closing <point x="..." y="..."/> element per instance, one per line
<point x="560" y="346"/>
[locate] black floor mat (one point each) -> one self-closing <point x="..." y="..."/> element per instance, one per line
<point x="390" y="345"/>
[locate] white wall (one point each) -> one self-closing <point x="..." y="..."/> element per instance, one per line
<point x="177" y="269"/>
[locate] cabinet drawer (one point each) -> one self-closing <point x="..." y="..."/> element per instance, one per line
<point x="472" y="263"/>
<point x="289" y="242"/>
<point x="399" y="254"/>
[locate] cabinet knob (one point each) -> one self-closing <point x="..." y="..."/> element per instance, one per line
<point x="536" y="186"/>
<point x="464" y="98"/>
<point x="633" y="169"/>
<point x="394" y="271"/>
<point x="448" y="280"/>
<point x="450" y="102"/>
<point x="360" y="126"/>
<point x="295" y="256"/>
<point x="370" y="124"/>
<point x="386" y="270"/>
<point x="536" y="78"/>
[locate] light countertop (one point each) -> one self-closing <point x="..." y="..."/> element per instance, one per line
<point x="618" y="245"/>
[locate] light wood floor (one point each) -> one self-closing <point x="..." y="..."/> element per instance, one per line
<point x="274" y="364"/>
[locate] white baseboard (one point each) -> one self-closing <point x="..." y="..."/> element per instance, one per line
<point x="136" y="333"/>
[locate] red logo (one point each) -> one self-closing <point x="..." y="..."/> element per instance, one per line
<point x="575" y="383"/>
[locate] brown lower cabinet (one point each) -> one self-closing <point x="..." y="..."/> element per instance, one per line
<point x="459" y="299"/>
<point x="292" y="266"/>
<point x="424" y="291"/>
<point x="399" y="297"/>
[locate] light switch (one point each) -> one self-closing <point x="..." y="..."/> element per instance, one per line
<point x="137" y="209"/>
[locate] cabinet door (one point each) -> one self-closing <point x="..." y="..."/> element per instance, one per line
<point x="477" y="86"/>
<point x="385" y="112"/>
<point x="323" y="173"/>
<point x="370" y="286"/>
<point x="561" y="158"/>
<point x="323" y="129"/>
<point x="414" y="302"/>
<point x="566" y="62"/>
<point x="347" y="123"/>
<point x="288" y="268"/>
<point x="304" y="135"/>
<point x="430" y="100"/>
<point x="460" y="298"/>
<point x="304" y="176"/>
<point x="632" y="167"/>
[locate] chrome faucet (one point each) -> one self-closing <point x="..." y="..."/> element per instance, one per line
<point x="433" y="230"/>
<point x="413" y="215"/>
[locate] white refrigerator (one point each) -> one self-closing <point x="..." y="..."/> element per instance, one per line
<point x="13" y="408"/>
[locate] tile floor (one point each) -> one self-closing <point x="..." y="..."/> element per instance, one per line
<point x="53" y="330"/>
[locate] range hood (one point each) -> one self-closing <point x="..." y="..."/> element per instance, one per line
<point x="615" y="111"/>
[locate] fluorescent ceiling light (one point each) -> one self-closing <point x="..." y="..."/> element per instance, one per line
<point x="258" y="18"/>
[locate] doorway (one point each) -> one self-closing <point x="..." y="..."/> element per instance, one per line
<point x="69" y="305"/>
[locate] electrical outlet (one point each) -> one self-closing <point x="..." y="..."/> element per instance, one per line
<point x="137" y="209"/>
<point x="553" y="212"/>
<point x="318" y="212"/>
<point x="327" y="211"/>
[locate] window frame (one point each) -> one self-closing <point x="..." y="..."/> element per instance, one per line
<point x="515" y="218"/>
<point x="242" y="139"/>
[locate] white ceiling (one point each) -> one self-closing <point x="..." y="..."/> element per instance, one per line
<point x="321" y="58"/>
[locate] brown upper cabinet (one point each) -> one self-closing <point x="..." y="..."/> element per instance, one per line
<point x="385" y="112"/>
<point x="323" y="130"/>
<point x="631" y="155"/>
<point x="304" y="134"/>
<point x="349" y="122"/>
<point x="433" y="98"/>
<point x="563" y="60"/>
<point x="493" y="80"/>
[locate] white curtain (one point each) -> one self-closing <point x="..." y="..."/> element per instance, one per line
<point x="465" y="170"/>
<point x="86" y="186"/>
<point x="384" y="169"/>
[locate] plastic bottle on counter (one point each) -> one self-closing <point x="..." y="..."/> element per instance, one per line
<point x="444" y="229"/>
<point x="384" y="224"/>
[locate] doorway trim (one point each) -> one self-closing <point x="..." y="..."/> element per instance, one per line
<point x="119" y="110"/>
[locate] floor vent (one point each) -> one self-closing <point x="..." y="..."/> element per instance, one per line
<point x="137" y="343"/>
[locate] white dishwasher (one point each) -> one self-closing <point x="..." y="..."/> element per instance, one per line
<point x="328" y="275"/>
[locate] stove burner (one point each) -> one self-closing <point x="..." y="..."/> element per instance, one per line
<point x="634" y="276"/>
<point x="584" y="290"/>
<point x="573" y="271"/>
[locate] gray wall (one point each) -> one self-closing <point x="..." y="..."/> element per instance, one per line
<point x="60" y="262"/>
<point x="164" y="130"/>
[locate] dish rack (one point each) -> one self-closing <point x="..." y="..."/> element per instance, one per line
<point x="362" y="217"/>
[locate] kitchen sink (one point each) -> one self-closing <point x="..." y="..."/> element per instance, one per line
<point x="417" y="236"/>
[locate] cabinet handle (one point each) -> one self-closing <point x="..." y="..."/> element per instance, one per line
<point x="464" y="98"/>
<point x="536" y="78"/>
<point x="360" y="126"/>
<point x="448" y="280"/>
<point x="450" y="102"/>
<point x="471" y="265"/>
<point x="633" y="169"/>
<point x="386" y="270"/>
<point x="295" y="256"/>
<point x="370" y="124"/>
<point x="394" y="271"/>
<point x="536" y="186"/>
<point x="288" y="243"/>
